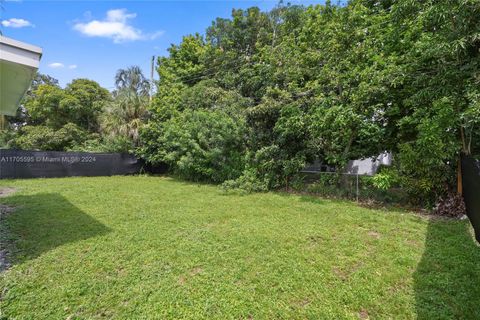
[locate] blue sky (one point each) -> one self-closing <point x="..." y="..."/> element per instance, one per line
<point x="93" y="39"/>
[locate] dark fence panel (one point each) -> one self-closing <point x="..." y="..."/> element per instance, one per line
<point x="471" y="191"/>
<point x="50" y="164"/>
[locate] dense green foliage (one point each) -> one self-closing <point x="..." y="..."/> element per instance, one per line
<point x="333" y="83"/>
<point x="205" y="145"/>
<point x="126" y="114"/>
<point x="79" y="103"/>
<point x="49" y="139"/>
<point x="156" y="248"/>
<point x="83" y="116"/>
<point x="261" y="94"/>
<point x="53" y="118"/>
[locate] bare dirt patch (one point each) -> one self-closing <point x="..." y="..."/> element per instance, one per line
<point x="196" y="271"/>
<point x="374" y="234"/>
<point x="342" y="275"/>
<point x="303" y="303"/>
<point x="181" y="280"/>
<point x="363" y="314"/>
<point x="6" y="191"/>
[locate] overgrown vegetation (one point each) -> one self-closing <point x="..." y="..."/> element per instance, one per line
<point x="83" y="116"/>
<point x="259" y="95"/>
<point x="329" y="82"/>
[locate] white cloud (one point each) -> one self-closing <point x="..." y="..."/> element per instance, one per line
<point x="155" y="35"/>
<point x="115" y="26"/>
<point x="119" y="15"/>
<point x="56" y="65"/>
<point x="59" y="65"/>
<point x="16" y="23"/>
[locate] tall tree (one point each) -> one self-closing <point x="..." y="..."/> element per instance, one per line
<point x="132" y="79"/>
<point x="336" y="82"/>
<point x="125" y="114"/>
<point x="80" y="103"/>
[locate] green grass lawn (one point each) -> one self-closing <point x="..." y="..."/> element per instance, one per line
<point x="156" y="248"/>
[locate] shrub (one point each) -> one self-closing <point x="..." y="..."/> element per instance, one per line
<point x="248" y="182"/>
<point x="198" y="145"/>
<point x="95" y="143"/>
<point x="6" y="136"/>
<point x="48" y="139"/>
<point x="385" y="179"/>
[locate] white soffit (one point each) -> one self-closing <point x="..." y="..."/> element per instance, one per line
<point x="18" y="63"/>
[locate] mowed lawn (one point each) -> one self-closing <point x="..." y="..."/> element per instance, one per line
<point x="156" y="248"/>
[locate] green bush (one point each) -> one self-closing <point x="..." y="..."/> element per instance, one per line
<point x="48" y="139"/>
<point x="385" y="179"/>
<point x="6" y="136"/>
<point x="198" y="145"/>
<point x="331" y="185"/>
<point x="96" y="143"/>
<point x="345" y="186"/>
<point x="248" y="182"/>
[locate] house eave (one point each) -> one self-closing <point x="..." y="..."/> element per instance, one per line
<point x="18" y="63"/>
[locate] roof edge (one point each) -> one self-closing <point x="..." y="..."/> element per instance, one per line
<point x="20" y="45"/>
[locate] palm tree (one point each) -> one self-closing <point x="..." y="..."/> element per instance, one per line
<point x="125" y="115"/>
<point x="132" y="79"/>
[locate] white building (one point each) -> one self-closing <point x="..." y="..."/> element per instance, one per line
<point x="367" y="166"/>
<point x="18" y="63"/>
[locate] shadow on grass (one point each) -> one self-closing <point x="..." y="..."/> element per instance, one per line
<point x="447" y="279"/>
<point x="42" y="222"/>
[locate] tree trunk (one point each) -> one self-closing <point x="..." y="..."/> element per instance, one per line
<point x="465" y="151"/>
<point x="3" y="122"/>
<point x="465" y="148"/>
<point x="459" y="177"/>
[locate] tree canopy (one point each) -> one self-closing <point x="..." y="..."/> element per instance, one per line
<point x="333" y="82"/>
<point x="257" y="96"/>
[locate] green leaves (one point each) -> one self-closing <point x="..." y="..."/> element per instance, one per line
<point x="335" y="83"/>
<point x="80" y="102"/>
<point x="200" y="145"/>
<point x="52" y="118"/>
<point x="48" y="139"/>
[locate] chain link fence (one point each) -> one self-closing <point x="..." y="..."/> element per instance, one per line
<point x="350" y="186"/>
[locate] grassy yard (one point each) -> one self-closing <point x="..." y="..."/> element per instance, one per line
<point x="150" y="247"/>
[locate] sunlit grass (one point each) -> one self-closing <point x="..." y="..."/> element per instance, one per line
<point x="150" y="247"/>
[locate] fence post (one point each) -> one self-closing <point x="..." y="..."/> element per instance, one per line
<point x="459" y="177"/>
<point x="357" y="188"/>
